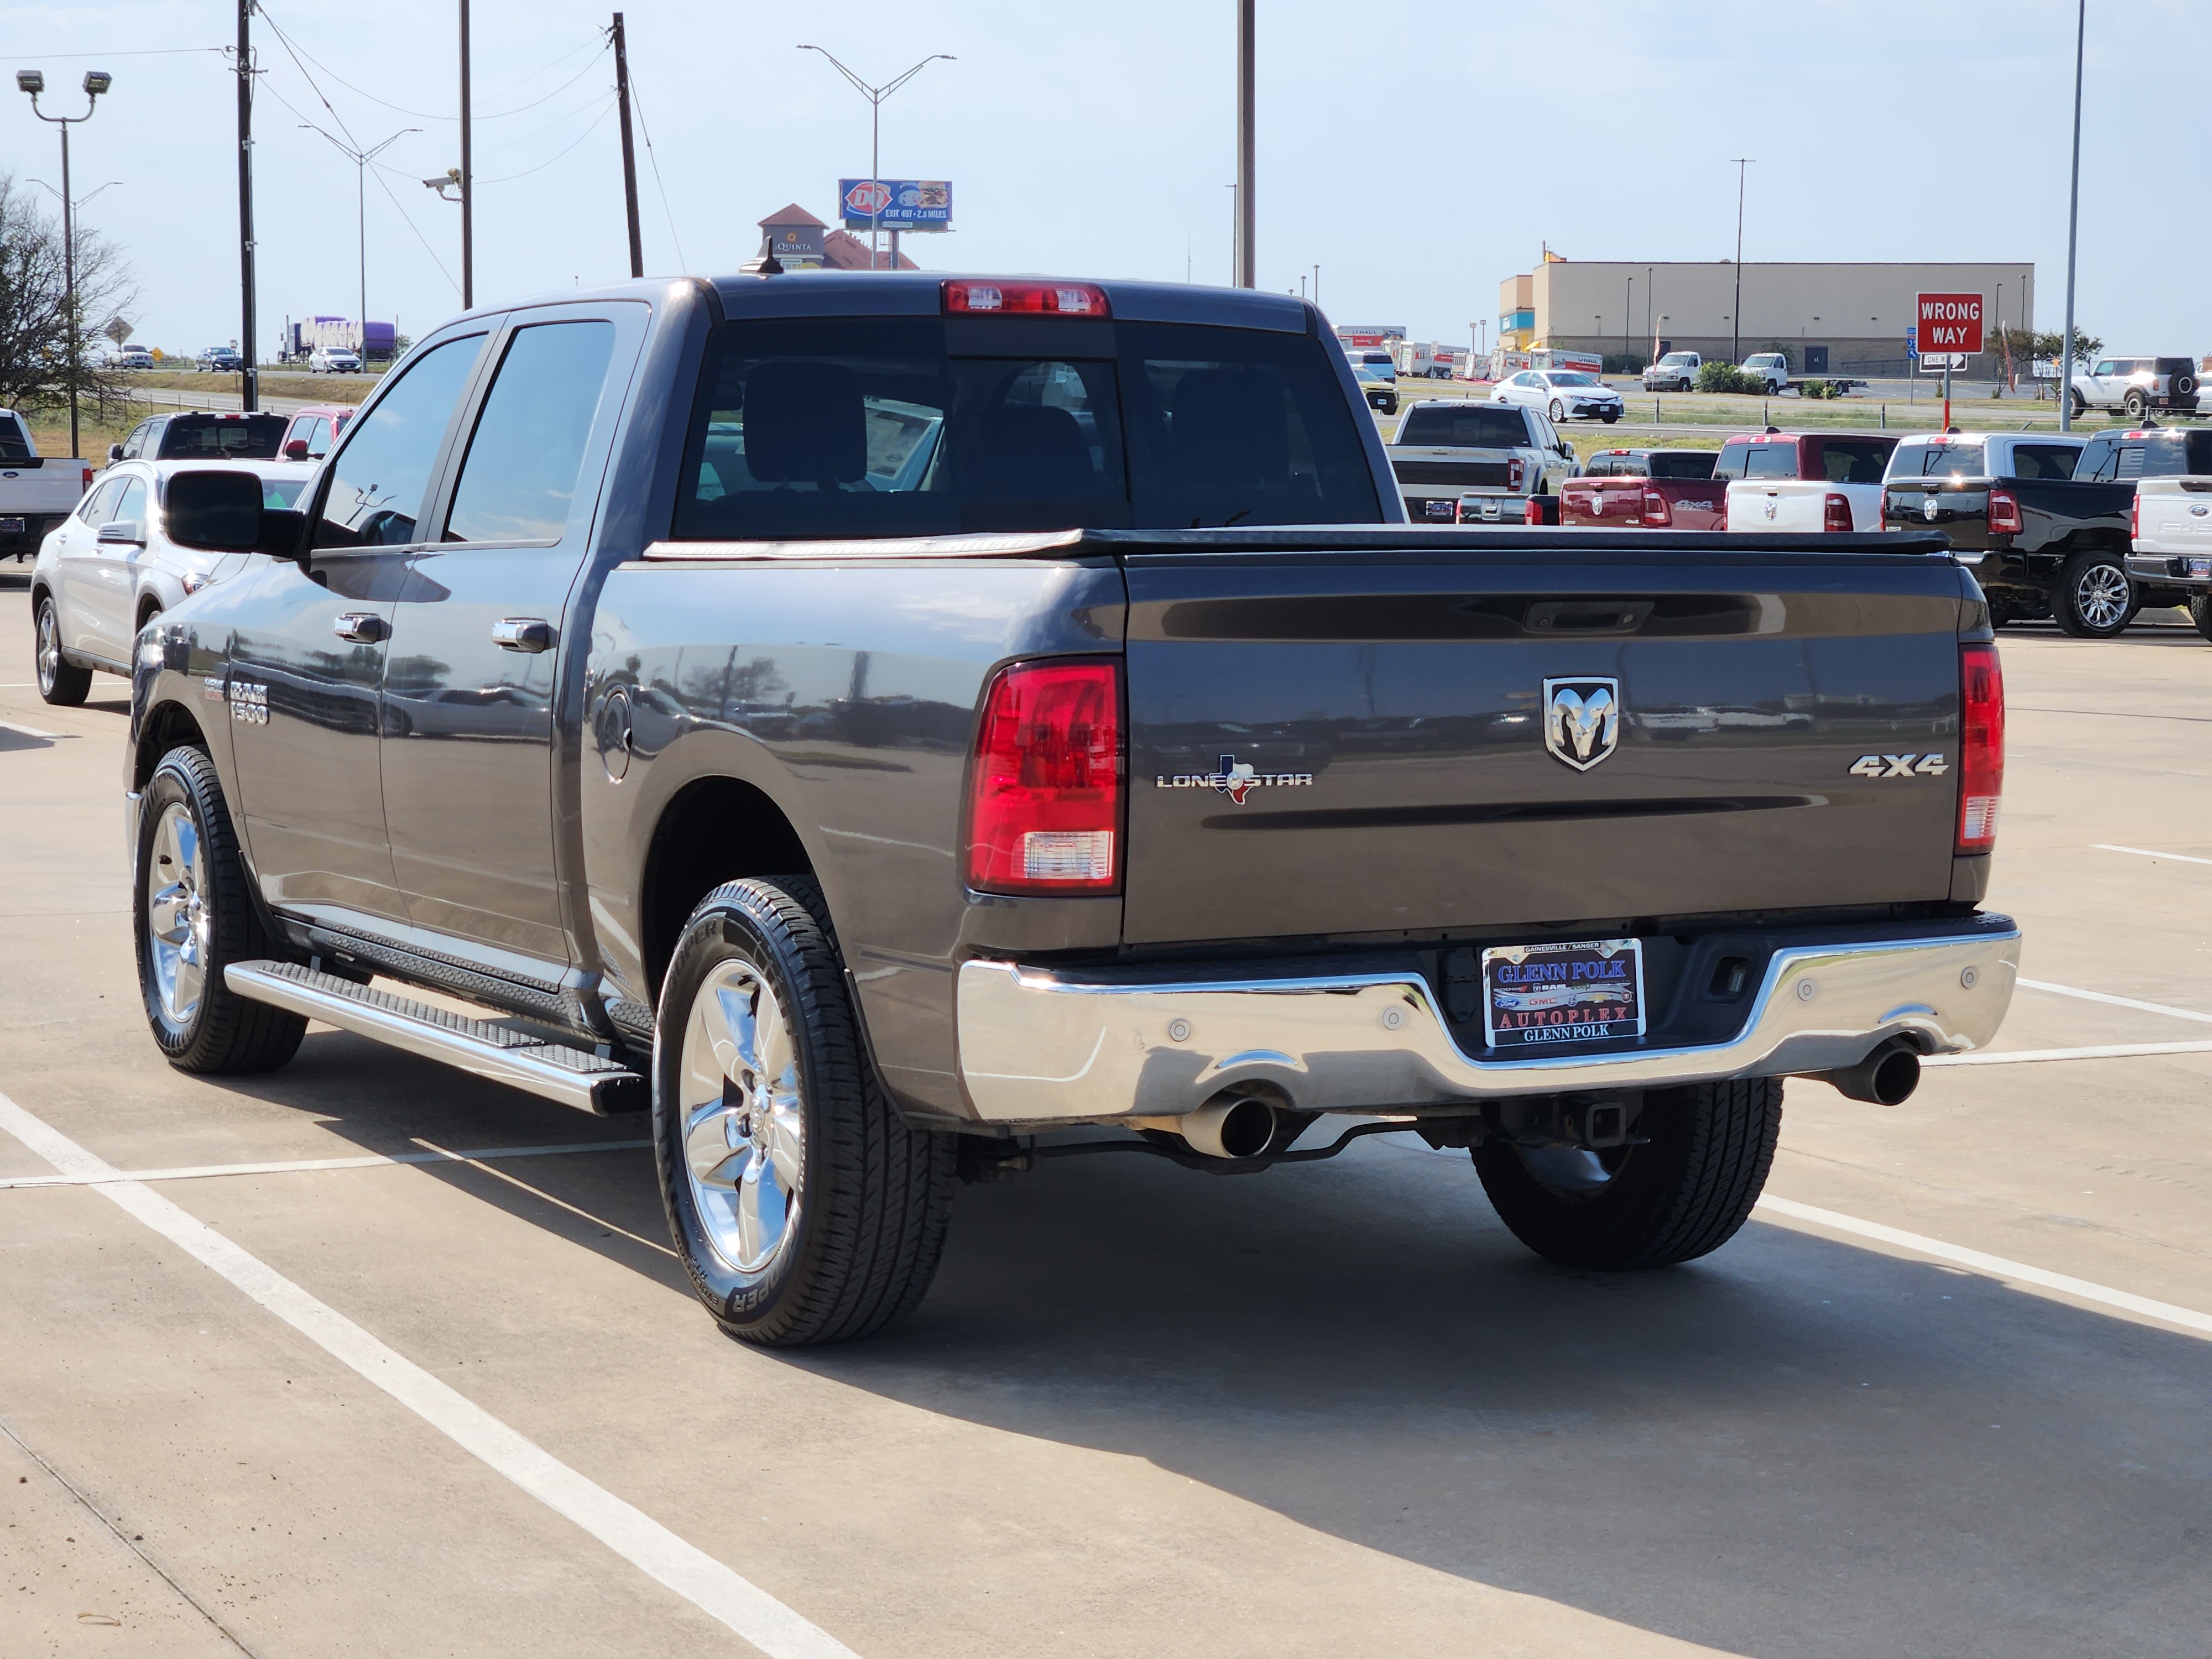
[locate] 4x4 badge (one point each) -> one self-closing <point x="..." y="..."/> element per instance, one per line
<point x="1900" y="766"/>
<point x="1582" y="719"/>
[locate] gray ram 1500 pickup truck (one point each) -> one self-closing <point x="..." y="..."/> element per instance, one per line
<point x="883" y="724"/>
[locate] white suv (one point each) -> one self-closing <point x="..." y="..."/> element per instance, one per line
<point x="2135" y="386"/>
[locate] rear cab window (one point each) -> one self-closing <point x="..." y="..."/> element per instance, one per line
<point x="1477" y="425"/>
<point x="905" y="426"/>
<point x="1683" y="463"/>
<point x="223" y="437"/>
<point x="1931" y="460"/>
<point x="15" y="442"/>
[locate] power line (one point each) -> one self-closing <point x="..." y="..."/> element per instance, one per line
<point x="638" y="100"/>
<point x="378" y="166"/>
<point x="511" y="177"/>
<point x="147" y="51"/>
<point x="536" y="133"/>
<point x="432" y="115"/>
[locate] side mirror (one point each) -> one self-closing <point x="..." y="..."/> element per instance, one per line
<point x="115" y="451"/>
<point x="215" y="511"/>
<point x="295" y="449"/>
<point x="122" y="533"/>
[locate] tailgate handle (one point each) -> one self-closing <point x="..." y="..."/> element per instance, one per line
<point x="1586" y="616"/>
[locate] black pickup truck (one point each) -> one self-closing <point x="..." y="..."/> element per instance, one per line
<point x="882" y="724"/>
<point x="2043" y="521"/>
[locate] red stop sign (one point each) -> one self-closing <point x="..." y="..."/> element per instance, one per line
<point x="1949" y="322"/>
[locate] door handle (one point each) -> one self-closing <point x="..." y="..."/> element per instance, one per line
<point x="529" y="634"/>
<point x="361" y="627"/>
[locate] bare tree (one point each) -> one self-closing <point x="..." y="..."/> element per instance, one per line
<point x="34" y="357"/>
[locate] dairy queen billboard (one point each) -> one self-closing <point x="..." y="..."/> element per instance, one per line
<point x="896" y="204"/>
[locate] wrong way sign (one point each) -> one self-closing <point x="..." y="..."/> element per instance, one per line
<point x="1949" y="322"/>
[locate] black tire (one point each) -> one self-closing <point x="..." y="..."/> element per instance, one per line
<point x="1686" y="386"/>
<point x="2135" y="405"/>
<point x="860" y="1237"/>
<point x="2081" y="405"/>
<point x="1680" y="1195"/>
<point x="2086" y="600"/>
<point x="1773" y="389"/>
<point x="61" y="682"/>
<point x="2200" y="612"/>
<point x="221" y="1031"/>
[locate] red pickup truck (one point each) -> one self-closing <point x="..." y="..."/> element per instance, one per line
<point x="1647" y="489"/>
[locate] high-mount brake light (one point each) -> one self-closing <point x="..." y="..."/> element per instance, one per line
<point x="1981" y="745"/>
<point x="1045" y="795"/>
<point x="1025" y="299"/>
<point x="2004" y="513"/>
<point x="1836" y="511"/>
<point x="1656" y="512"/>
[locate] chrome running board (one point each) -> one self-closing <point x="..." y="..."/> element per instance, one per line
<point x="574" y="1076"/>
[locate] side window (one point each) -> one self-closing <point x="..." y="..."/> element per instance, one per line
<point x="131" y="505"/>
<point x="95" y="510"/>
<point x="2098" y="461"/>
<point x="2103" y="369"/>
<point x="378" y="480"/>
<point x="318" y="438"/>
<point x="1734" y="461"/>
<point x="524" y="456"/>
<point x="135" y="445"/>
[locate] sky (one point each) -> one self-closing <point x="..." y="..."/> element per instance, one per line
<point x="1418" y="152"/>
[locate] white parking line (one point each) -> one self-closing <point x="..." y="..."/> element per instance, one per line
<point x="716" y="1589"/>
<point x="2116" y="1002"/>
<point x="30" y="731"/>
<point x="301" y="1165"/>
<point x="2031" y="1056"/>
<point x="2018" y="1273"/>
<point x="2145" y="853"/>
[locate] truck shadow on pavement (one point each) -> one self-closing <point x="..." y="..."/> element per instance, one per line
<point x="1794" y="1448"/>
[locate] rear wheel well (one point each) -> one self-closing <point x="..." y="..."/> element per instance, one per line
<point x="167" y="727"/>
<point x="715" y="830"/>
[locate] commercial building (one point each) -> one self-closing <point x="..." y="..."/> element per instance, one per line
<point x="1834" y="318"/>
<point x="802" y="242"/>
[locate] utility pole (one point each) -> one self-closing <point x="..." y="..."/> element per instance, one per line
<point x="630" y="156"/>
<point x="1248" y="218"/>
<point x="249" y="365"/>
<point x="1628" y="322"/>
<point x="468" y="181"/>
<point x="2073" y="223"/>
<point x="1736" y="317"/>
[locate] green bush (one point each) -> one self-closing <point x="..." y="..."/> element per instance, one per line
<point x="1821" y="389"/>
<point x="1724" y="377"/>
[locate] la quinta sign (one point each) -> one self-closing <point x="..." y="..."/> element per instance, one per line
<point x="1949" y="322"/>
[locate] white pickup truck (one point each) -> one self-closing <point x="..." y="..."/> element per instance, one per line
<point x="2169" y="540"/>
<point x="35" y="493"/>
<point x="1804" y="481"/>
<point x="1675" y="371"/>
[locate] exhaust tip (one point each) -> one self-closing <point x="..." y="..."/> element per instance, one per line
<point x="1887" y="1077"/>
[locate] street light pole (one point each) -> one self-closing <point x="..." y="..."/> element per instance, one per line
<point x="360" y="158"/>
<point x="875" y="95"/>
<point x="96" y="81"/>
<point x="1628" y="321"/>
<point x="467" y="181"/>
<point x="1248" y="219"/>
<point x="1736" y="317"/>
<point x="2073" y="223"/>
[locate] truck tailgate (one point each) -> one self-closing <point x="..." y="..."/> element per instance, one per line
<point x="2174" y="515"/>
<point x="1356" y="741"/>
<point x="51" y="487"/>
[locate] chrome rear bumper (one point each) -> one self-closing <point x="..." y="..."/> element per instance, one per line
<point x="1040" y="1046"/>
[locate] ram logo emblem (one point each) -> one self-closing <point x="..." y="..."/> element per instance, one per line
<point x="1581" y="721"/>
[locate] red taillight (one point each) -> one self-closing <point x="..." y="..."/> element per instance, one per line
<point x="85" y="483"/>
<point x="2004" y="513"/>
<point x="1836" y="511"/>
<point x="1515" y="471"/>
<point x="1532" y="510"/>
<point x="1981" y="746"/>
<point x="1045" y="801"/>
<point x="1655" y="510"/>
<point x="2135" y="515"/>
<point x="1032" y="299"/>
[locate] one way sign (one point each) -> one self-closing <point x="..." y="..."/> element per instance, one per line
<point x="1949" y="322"/>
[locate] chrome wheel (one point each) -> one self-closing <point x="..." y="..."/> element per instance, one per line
<point x="744" y="1123"/>
<point x="2100" y="595"/>
<point x="177" y="915"/>
<point x="50" y="648"/>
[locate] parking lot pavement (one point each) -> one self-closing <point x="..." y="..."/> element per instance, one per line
<point x="1330" y="1409"/>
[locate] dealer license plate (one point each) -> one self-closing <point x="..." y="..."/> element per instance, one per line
<point x="11" y="526"/>
<point x="2200" y="568"/>
<point x="1552" y="996"/>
